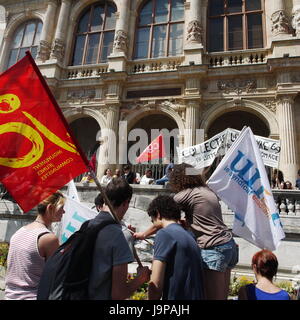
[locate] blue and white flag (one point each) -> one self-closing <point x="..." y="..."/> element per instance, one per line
<point x="241" y="182"/>
<point x="75" y="214"/>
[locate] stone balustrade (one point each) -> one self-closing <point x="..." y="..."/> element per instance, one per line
<point x="288" y="202"/>
<point x="249" y="57"/>
<point x="154" y="65"/>
<point x="86" y="71"/>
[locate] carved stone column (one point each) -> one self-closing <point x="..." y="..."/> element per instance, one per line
<point x="58" y="46"/>
<point x="45" y="40"/>
<point x="289" y="162"/>
<point x="194" y="29"/>
<point x="191" y="122"/>
<point x="193" y="47"/>
<point x="280" y="21"/>
<point x="121" y="35"/>
<point x="296" y="17"/>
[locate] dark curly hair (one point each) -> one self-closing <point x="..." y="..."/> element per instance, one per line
<point x="166" y="207"/>
<point x="185" y="176"/>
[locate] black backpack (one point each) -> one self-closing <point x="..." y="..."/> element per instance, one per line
<point x="66" y="272"/>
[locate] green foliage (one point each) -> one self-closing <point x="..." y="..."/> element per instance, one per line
<point x="287" y="286"/>
<point x="139" y="296"/>
<point x="237" y="282"/>
<point x="3" y="253"/>
<point x="142" y="292"/>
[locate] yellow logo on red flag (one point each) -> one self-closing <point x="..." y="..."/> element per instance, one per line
<point x="37" y="153"/>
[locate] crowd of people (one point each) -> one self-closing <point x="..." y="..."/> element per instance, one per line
<point x="278" y="182"/>
<point x="134" y="177"/>
<point x="193" y="254"/>
<point x="277" y="178"/>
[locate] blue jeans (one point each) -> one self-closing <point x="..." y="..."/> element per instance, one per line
<point x="221" y="257"/>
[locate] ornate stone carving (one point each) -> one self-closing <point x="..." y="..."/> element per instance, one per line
<point x="194" y="32"/>
<point x="280" y="22"/>
<point x="58" y="50"/>
<point x="153" y="105"/>
<point x="104" y="112"/>
<point x="286" y="99"/>
<point x="121" y="41"/>
<point x="270" y="104"/>
<point x="81" y="95"/>
<point x="238" y="86"/>
<point x="43" y="50"/>
<point x="296" y="21"/>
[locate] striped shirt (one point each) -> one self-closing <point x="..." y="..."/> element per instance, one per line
<point x="24" y="265"/>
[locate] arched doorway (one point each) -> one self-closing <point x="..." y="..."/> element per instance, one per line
<point x="85" y="131"/>
<point x="237" y="120"/>
<point x="153" y="124"/>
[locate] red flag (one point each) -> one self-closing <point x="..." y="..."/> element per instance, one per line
<point x="38" y="154"/>
<point x="155" y="150"/>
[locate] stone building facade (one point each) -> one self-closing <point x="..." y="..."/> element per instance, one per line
<point x="193" y="64"/>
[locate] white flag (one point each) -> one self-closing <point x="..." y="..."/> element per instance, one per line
<point x="75" y="214"/>
<point x="241" y="182"/>
<point x="72" y="191"/>
<point x="203" y="154"/>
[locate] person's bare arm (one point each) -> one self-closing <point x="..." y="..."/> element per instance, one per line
<point x="47" y="244"/>
<point x="123" y="289"/>
<point x="156" y="284"/>
<point x="143" y="235"/>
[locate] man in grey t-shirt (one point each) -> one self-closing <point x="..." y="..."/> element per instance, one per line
<point x="108" y="279"/>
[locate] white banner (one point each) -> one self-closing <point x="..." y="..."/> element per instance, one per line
<point x="269" y="148"/>
<point x="241" y="182"/>
<point x="204" y="154"/>
<point x="75" y="214"/>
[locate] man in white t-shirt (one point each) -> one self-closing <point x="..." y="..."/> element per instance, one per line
<point x="147" y="178"/>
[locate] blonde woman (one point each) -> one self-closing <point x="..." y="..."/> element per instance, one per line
<point x="30" y="247"/>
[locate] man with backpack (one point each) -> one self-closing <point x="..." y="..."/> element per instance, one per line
<point x="93" y="263"/>
<point x="108" y="278"/>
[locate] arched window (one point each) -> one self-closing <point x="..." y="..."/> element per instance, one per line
<point x="235" y="25"/>
<point x="160" y="29"/>
<point x="26" y="37"/>
<point x="95" y="34"/>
